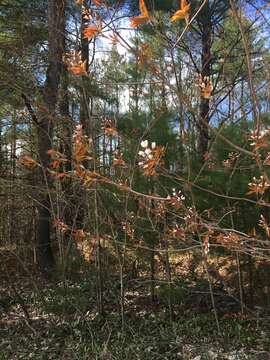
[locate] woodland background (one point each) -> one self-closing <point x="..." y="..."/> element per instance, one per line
<point x="134" y="179"/>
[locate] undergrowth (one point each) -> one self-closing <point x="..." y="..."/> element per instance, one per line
<point x="63" y="323"/>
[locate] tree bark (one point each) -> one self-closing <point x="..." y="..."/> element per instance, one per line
<point x="56" y="26"/>
<point x="84" y="101"/>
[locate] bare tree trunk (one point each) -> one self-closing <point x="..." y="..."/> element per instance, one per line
<point x="66" y="144"/>
<point x="69" y="214"/>
<point x="84" y="98"/>
<point x="56" y="26"/>
<point x="12" y="221"/>
<point x="206" y="29"/>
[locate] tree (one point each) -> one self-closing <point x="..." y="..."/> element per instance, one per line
<point x="44" y="126"/>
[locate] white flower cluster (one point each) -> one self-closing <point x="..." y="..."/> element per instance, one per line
<point x="147" y="152"/>
<point x="78" y="133"/>
<point x="258" y="135"/>
<point x="191" y="214"/>
<point x="260" y="183"/>
<point x="206" y="86"/>
<point x="176" y="199"/>
<point x="176" y="195"/>
<point x="206" y="246"/>
<point x="204" y="81"/>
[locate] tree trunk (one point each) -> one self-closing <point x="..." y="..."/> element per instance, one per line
<point x="69" y="214"/>
<point x="206" y="29"/>
<point x="12" y="221"/>
<point x="84" y="96"/>
<point x="56" y="26"/>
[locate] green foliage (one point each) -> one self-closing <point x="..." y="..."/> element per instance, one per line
<point x="137" y="297"/>
<point x="22" y="34"/>
<point x="230" y="51"/>
<point x="69" y="297"/>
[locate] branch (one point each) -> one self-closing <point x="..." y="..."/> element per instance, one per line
<point x="30" y="109"/>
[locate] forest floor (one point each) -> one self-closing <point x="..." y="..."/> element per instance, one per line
<point x="59" y="320"/>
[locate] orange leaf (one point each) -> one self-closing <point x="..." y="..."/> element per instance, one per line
<point x="81" y="152"/>
<point x="110" y="131"/>
<point x="55" y="164"/>
<point x="78" y="69"/>
<point x="61" y="175"/>
<point x="90" y="32"/>
<point x="141" y="19"/>
<point x="183" y="4"/>
<point x="28" y="162"/>
<point x="206" y="92"/>
<point x="145" y="54"/>
<point x="79" y="235"/>
<point x="182" y="13"/>
<point x="97" y="2"/>
<point x="118" y="162"/>
<point x="138" y="20"/>
<point x="143" y="9"/>
<point x="60" y="225"/>
<point x="52" y="152"/>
